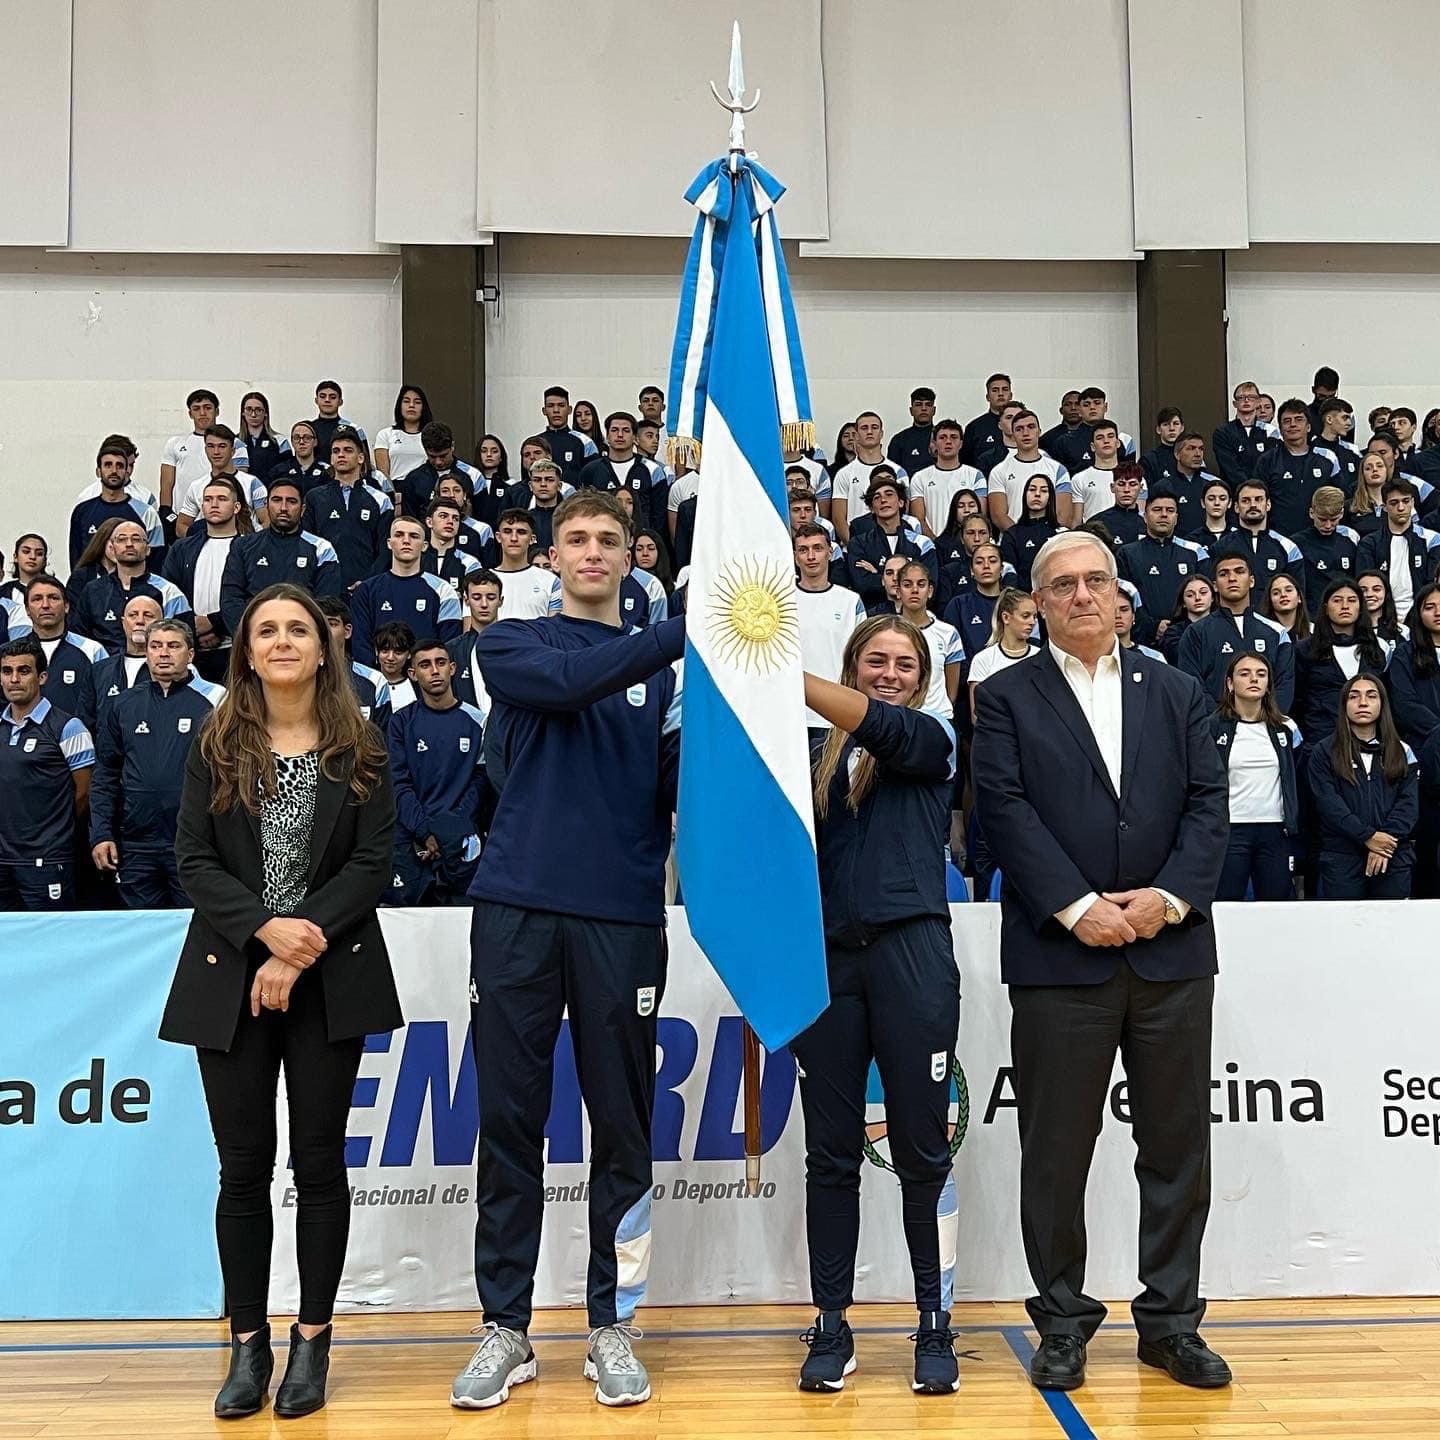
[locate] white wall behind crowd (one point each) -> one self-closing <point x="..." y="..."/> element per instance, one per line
<point x="143" y="253"/>
<point x="423" y="124"/>
<point x="1325" y="1111"/>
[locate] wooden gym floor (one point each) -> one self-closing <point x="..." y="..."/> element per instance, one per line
<point x="1348" y="1368"/>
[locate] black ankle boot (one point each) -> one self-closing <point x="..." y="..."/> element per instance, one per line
<point x="252" y="1363"/>
<point x="303" y="1388"/>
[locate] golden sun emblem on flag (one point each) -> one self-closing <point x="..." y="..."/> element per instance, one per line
<point x="753" y="621"/>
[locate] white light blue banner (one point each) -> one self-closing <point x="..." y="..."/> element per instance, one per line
<point x="108" y="1172"/>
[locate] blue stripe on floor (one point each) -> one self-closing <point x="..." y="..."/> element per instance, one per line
<point x="543" y="1337"/>
<point x="1062" y="1407"/>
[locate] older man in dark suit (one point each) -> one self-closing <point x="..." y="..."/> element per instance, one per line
<point x="1101" y="796"/>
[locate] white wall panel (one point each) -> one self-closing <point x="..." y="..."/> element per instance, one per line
<point x="1187" y="124"/>
<point x="1336" y="94"/>
<point x="35" y="122"/>
<point x="425" y="127"/>
<point x="210" y="127"/>
<point x="598" y="316"/>
<point x="958" y="129"/>
<point x="595" y="116"/>
<point x="116" y="344"/>
<point x="1373" y="312"/>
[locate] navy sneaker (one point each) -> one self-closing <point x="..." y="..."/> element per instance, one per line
<point x="832" y="1352"/>
<point x="937" y="1371"/>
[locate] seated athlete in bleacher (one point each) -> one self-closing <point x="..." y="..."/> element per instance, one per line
<point x="371" y="688"/>
<point x="1209" y="644"/>
<point x="286" y="553"/>
<point x="437" y="762"/>
<point x="1257" y="744"/>
<point x="46" y="759"/>
<point x="425" y="602"/>
<point x="98" y="610"/>
<point x="1367" y="794"/>
<point x="141" y="749"/>
<point x="484" y="590"/>
<point x="1159" y="562"/>
<point x="579" y="708"/>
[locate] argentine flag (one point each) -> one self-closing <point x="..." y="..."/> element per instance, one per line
<point x="746" y="841"/>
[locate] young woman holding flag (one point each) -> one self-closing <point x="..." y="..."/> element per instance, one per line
<point x="882" y="781"/>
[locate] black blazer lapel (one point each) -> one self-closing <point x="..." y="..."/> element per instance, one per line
<point x="329" y="801"/>
<point x="1052" y="685"/>
<point x="1134" y="696"/>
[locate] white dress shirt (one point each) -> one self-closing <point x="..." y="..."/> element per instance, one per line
<point x="1099" y="698"/>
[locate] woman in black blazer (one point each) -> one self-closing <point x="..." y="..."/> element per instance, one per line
<point x="284" y="845"/>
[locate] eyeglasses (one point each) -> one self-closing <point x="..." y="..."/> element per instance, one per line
<point x="1097" y="583"/>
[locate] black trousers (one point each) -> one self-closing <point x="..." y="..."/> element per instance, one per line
<point x="48" y="886"/>
<point x="1063" y="1040"/>
<point x="1258" y="856"/>
<point x="240" y="1089"/>
<point x="150" y="880"/>
<point x="897" y="1001"/>
<point x="1342" y="877"/>
<point x="526" y="967"/>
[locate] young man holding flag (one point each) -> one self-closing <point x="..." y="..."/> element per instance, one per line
<point x="578" y="707"/>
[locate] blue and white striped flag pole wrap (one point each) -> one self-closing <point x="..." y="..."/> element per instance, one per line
<point x="746" y="842"/>
<point x="714" y="193"/>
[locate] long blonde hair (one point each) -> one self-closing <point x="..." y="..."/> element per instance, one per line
<point x="862" y="778"/>
<point x="235" y="743"/>
<point x="1007" y="603"/>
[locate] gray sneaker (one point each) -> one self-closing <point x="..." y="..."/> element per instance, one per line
<point x="503" y="1359"/>
<point x="619" y="1377"/>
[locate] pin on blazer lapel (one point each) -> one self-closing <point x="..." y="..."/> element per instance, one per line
<point x="1134" y="696"/>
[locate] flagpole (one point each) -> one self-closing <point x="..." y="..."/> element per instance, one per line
<point x="750" y="1041"/>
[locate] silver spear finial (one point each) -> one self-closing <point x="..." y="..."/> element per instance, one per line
<point x="735" y="104"/>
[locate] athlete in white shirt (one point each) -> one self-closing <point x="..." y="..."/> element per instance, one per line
<point x="1008" y="479"/>
<point x="827" y="614"/>
<point x="947" y="654"/>
<point x="183" y="459"/>
<point x="398" y="450"/>
<point x="1090" y="488"/>
<point x="934" y="488"/>
<point x="847" y="499"/>
<point x="531" y="591"/>
<point x="1011" y="640"/>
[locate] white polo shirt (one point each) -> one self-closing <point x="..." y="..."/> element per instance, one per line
<point x="528" y="594"/>
<point x="853" y="480"/>
<point x="1012" y="475"/>
<point x="827" y="620"/>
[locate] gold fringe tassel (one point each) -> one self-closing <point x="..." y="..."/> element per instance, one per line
<point x="683" y="450"/>
<point x="797" y="435"/>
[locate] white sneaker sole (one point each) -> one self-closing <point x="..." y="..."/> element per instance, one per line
<point x="639" y="1398"/>
<point x="518" y="1376"/>
<point x="920" y="1389"/>
<point x="825" y="1387"/>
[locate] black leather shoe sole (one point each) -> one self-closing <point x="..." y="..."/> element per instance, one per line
<point x="1209" y="1378"/>
<point x="1043" y="1379"/>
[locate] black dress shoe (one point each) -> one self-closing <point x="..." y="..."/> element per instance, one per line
<point x="1188" y="1359"/>
<point x="1058" y="1363"/>
<point x="303" y="1388"/>
<point x="247" y="1384"/>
